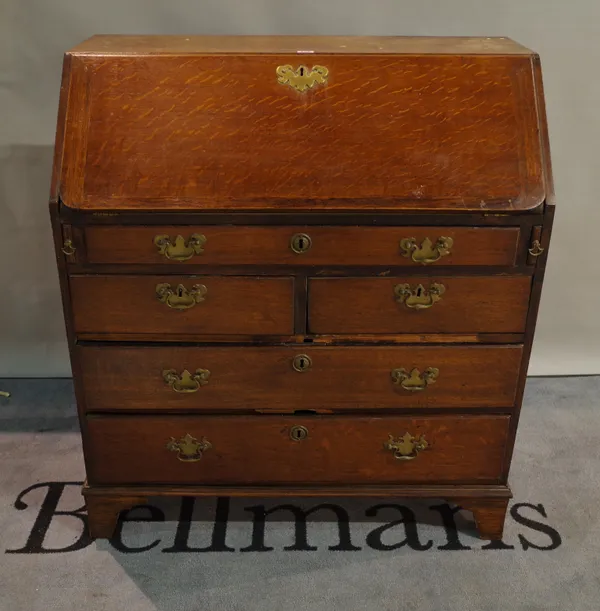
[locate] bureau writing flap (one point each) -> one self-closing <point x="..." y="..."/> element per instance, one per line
<point x="172" y="126"/>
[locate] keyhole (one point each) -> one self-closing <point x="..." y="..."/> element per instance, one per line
<point x="298" y="433"/>
<point x="419" y="291"/>
<point x="300" y="243"/>
<point x="301" y="70"/>
<point x="302" y="362"/>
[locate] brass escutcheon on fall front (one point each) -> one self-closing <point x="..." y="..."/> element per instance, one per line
<point x="185" y="382"/>
<point x="302" y="78"/>
<point x="406" y="447"/>
<point x="180" y="249"/>
<point x="428" y="252"/>
<point x="188" y="448"/>
<point x="419" y="298"/>
<point x="179" y="298"/>
<point x="414" y="381"/>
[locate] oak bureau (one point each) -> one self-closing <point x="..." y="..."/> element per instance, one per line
<point x="300" y="265"/>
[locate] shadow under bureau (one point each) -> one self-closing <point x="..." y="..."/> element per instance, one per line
<point x="300" y="265"/>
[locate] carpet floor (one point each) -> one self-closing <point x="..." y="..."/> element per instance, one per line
<point x="222" y="554"/>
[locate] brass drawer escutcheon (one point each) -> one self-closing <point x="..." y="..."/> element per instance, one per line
<point x="419" y="298"/>
<point x="302" y="78"/>
<point x="179" y="298"/>
<point x="301" y="362"/>
<point x="428" y="252"/>
<point x="188" y="448"/>
<point x="414" y="381"/>
<point x="180" y="249"/>
<point x="300" y="243"/>
<point x="406" y="447"/>
<point x="186" y="382"/>
<point x="298" y="433"/>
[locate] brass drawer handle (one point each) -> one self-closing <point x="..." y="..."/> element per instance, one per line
<point x="300" y="243"/>
<point x="188" y="448"/>
<point x="68" y="248"/>
<point x="536" y="249"/>
<point x="419" y="298"/>
<point x="180" y="249"/>
<point x="427" y="252"/>
<point x="186" y="382"/>
<point x="406" y="447"/>
<point x="301" y="362"/>
<point x="414" y="381"/>
<point x="298" y="433"/>
<point x="179" y="298"/>
<point x="302" y="78"/>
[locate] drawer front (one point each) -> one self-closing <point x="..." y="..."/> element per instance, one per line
<point x="418" y="304"/>
<point x="311" y="450"/>
<point x="266" y="378"/>
<point x="181" y="306"/>
<point x="208" y="245"/>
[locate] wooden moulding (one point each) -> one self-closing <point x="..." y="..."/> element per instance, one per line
<point x="488" y="504"/>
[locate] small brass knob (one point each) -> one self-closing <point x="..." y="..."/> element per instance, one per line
<point x="302" y="362"/>
<point x="300" y="243"/>
<point x="298" y="433"/>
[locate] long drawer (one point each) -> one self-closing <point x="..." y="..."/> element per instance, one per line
<point x="290" y="378"/>
<point x="422" y="304"/>
<point x="302" y="245"/>
<point x="182" y="305"/>
<point x="307" y="450"/>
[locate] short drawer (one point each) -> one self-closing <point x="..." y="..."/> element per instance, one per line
<point x="418" y="304"/>
<point x="181" y="306"/>
<point x="302" y="245"/>
<point x="291" y="378"/>
<point x="306" y="450"/>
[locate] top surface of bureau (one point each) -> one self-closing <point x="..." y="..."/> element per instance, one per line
<point x="301" y="123"/>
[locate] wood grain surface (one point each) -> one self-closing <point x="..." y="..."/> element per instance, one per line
<point x="243" y="245"/>
<point x="143" y="45"/>
<point x="232" y="305"/>
<point x="369" y="305"/>
<point x="408" y="138"/>
<point x="263" y="378"/>
<point x="405" y="131"/>
<point x="338" y="449"/>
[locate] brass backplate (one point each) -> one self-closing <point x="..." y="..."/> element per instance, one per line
<point x="301" y="78"/>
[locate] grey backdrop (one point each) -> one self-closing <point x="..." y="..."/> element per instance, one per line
<point x="35" y="33"/>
